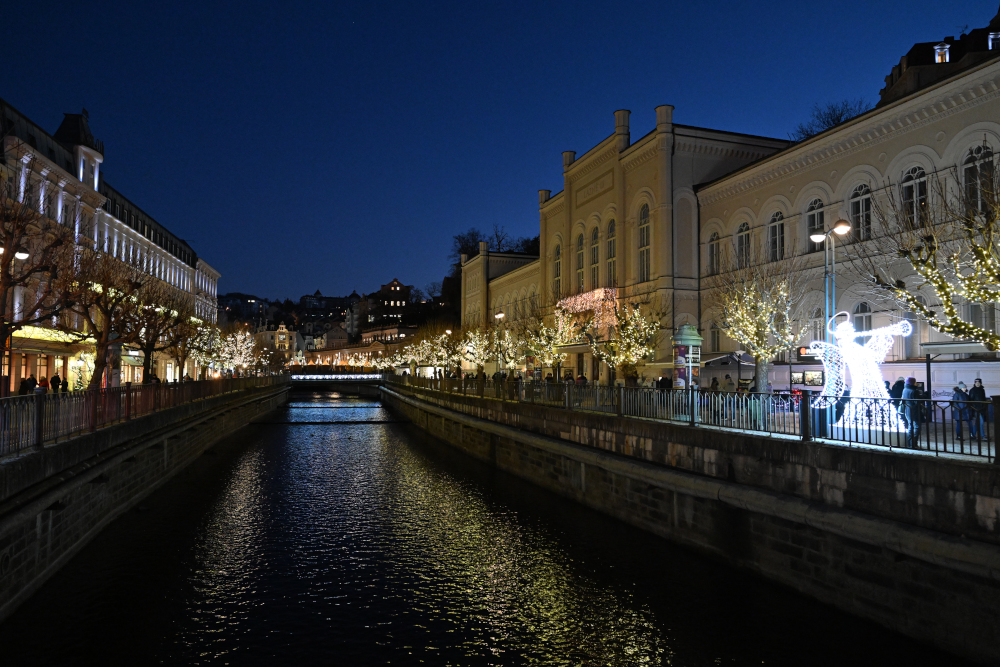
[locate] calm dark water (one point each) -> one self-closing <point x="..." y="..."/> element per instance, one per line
<point x="368" y="544"/>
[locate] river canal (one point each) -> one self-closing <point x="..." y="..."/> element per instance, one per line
<point x="333" y="535"/>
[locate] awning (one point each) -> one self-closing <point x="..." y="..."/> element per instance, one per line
<point x="954" y="347"/>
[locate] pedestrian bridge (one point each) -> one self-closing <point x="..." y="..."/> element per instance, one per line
<point x="364" y="384"/>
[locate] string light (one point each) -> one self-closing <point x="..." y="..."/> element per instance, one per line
<point x="600" y="301"/>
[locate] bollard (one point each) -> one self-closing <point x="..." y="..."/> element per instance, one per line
<point x="805" y="415"/>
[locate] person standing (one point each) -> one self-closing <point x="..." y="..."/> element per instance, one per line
<point x="979" y="410"/>
<point x="32" y="383"/>
<point x="55" y="383"/>
<point x="911" y="412"/>
<point x="959" y="408"/>
<point x="43" y="386"/>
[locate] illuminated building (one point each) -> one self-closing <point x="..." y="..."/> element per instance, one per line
<point x="66" y="170"/>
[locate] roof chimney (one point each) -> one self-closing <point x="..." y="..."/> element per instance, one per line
<point x="568" y="157"/>
<point x="664" y="117"/>
<point x="621" y="128"/>
<point x="543" y="196"/>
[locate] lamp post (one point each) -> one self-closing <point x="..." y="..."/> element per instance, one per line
<point x="6" y="351"/>
<point x="840" y="228"/>
<point x="499" y="319"/>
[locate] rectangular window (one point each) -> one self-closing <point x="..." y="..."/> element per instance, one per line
<point x="861" y="218"/>
<point x="715" y="339"/>
<point x="817" y="225"/>
<point x="776" y="241"/>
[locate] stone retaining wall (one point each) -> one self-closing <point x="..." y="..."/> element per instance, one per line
<point x="834" y="525"/>
<point x="54" y="501"/>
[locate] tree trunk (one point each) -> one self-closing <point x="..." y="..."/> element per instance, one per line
<point x="763" y="368"/>
<point x="147" y="362"/>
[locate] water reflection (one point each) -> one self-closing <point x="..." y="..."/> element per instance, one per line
<point x="302" y="542"/>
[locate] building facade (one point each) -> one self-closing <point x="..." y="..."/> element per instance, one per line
<point x="653" y="218"/>
<point x="63" y="171"/>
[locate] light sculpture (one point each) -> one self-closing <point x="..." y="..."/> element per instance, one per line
<point x="863" y="363"/>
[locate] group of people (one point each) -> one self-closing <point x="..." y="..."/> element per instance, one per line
<point x="30" y="385"/>
<point x="968" y="406"/>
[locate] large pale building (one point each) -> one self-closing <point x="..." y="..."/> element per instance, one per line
<point x="655" y="215"/>
<point x="63" y="171"/>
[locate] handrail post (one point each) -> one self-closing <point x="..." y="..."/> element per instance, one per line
<point x="805" y="415"/>
<point x="691" y="401"/>
<point x="620" y="395"/>
<point x="39" y="419"/>
<point x="128" y="401"/>
<point x="567" y="399"/>
<point x="996" y="420"/>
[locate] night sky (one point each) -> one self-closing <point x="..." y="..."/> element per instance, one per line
<point x="336" y="145"/>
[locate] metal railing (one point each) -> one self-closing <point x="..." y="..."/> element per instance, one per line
<point x="964" y="428"/>
<point x="28" y="422"/>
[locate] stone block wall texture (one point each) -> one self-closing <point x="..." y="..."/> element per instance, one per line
<point x="56" y="500"/>
<point x="861" y="530"/>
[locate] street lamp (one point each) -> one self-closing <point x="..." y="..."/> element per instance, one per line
<point x="840" y="228"/>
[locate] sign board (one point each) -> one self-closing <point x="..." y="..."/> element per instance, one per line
<point x="803" y="354"/>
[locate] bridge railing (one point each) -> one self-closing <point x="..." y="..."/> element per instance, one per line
<point x="28" y="422"/>
<point x="964" y="428"/>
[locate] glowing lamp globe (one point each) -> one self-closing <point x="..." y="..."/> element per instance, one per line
<point x="841" y="227"/>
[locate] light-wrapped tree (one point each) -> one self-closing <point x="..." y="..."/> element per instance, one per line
<point x="940" y="233"/>
<point x="629" y="342"/>
<point x="757" y="302"/>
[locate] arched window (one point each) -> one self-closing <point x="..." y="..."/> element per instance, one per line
<point x="644" y="243"/>
<point x="714" y="254"/>
<point x="861" y="213"/>
<point x="862" y="320"/>
<point x="818" y="327"/>
<point x="557" y="272"/>
<point x="612" y="277"/>
<point x="815" y="223"/>
<point x="579" y="264"/>
<point x="595" y="256"/>
<point x="914" y="191"/>
<point x="776" y="237"/>
<point x="743" y="245"/>
<point x="977" y="171"/>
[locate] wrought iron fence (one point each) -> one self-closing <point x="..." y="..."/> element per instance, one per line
<point x="941" y="427"/>
<point x="30" y="421"/>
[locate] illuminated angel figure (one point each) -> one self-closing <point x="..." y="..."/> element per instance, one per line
<point x="863" y="362"/>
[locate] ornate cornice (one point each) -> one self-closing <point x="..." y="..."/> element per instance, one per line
<point x="939" y="102"/>
<point x="641" y="157"/>
<point x="592" y="163"/>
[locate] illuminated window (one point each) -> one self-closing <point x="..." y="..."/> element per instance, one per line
<point x="644" y="243"/>
<point x="977" y="171"/>
<point x="914" y="190"/>
<point x="579" y="264"/>
<point x="612" y="276"/>
<point x="861" y="213"/>
<point x="595" y="268"/>
<point x="557" y="272"/>
<point x="994" y="40"/>
<point x="941" y="53"/>
<point x="714" y="254"/>
<point x="815" y="223"/>
<point x="743" y="244"/>
<point x="776" y="237"/>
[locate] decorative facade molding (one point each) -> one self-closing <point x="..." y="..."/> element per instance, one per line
<point x="952" y="97"/>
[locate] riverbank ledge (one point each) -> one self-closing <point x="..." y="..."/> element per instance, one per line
<point x="906" y="540"/>
<point x="54" y="500"/>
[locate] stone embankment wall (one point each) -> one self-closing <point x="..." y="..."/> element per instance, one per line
<point x="53" y="501"/>
<point x="907" y="540"/>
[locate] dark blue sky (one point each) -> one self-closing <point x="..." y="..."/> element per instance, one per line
<point x="337" y="145"/>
